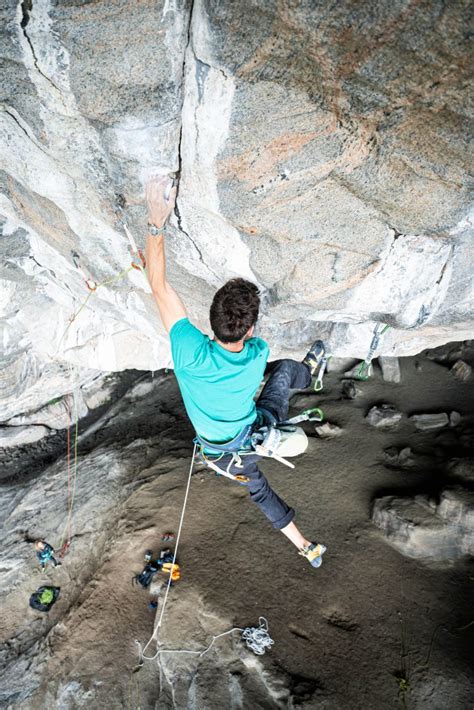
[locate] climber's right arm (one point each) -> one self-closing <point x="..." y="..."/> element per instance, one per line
<point x="170" y="305"/>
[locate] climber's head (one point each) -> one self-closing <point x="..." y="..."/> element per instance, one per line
<point x="234" y="310"/>
<point x="39" y="545"/>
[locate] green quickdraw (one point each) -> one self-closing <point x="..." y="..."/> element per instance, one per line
<point x="365" y="369"/>
<point x="309" y="415"/>
<point x="318" y="383"/>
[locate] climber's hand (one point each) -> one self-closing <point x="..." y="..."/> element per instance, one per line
<point x="160" y="197"/>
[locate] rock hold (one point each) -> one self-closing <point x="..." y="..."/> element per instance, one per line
<point x="390" y="367"/>
<point x="340" y="165"/>
<point x="20" y="435"/>
<point x="384" y="417"/>
<point x="461" y="370"/>
<point x="402" y="458"/>
<point x="429" y="422"/>
<point x="328" y="431"/>
<point x="350" y="390"/>
<point x="58" y="414"/>
<point x="432" y="532"/>
<point x="454" y="419"/>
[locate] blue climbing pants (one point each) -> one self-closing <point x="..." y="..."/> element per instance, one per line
<point x="273" y="403"/>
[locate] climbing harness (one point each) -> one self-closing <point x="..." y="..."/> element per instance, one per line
<point x="264" y="441"/>
<point x="365" y="369"/>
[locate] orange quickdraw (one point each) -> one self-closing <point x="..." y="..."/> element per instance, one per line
<point x="142" y="259"/>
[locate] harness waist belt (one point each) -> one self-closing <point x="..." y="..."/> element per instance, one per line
<point x="241" y="441"/>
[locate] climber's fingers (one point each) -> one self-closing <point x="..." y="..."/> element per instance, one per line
<point x="160" y="196"/>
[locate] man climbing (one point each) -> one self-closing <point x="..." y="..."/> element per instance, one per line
<point x="219" y="378"/>
<point x="44" y="553"/>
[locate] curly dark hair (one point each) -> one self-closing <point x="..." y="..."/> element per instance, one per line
<point x="234" y="310"/>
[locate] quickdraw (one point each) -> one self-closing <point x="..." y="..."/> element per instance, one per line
<point x="365" y="368"/>
<point x="318" y="384"/>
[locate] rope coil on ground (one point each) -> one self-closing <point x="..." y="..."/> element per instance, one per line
<point x="256" y="638"/>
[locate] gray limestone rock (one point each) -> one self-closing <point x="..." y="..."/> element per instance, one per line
<point x="390" y="367"/>
<point x="384" y="417"/>
<point x="58" y="414"/>
<point x="328" y="431"/>
<point x="418" y="529"/>
<point x="400" y="458"/>
<point x="332" y="173"/>
<point x="461" y="370"/>
<point x="98" y="392"/>
<point x="462" y="468"/>
<point x="11" y="436"/>
<point x="454" y="419"/>
<point x="429" y="422"/>
<point x="350" y="390"/>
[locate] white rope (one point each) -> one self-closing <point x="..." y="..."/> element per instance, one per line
<point x="163" y="606"/>
<point x="257" y="639"/>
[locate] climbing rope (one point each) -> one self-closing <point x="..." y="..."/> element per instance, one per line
<point x="256" y="638"/>
<point x="71" y="478"/>
<point x="364" y="370"/>
<point x="156" y="632"/>
<point x="93" y="286"/>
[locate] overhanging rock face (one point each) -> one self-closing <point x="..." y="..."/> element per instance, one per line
<point x="322" y="154"/>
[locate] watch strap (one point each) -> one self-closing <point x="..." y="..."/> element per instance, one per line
<point x="154" y="230"/>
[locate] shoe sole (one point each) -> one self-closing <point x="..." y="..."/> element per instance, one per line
<point x="318" y="561"/>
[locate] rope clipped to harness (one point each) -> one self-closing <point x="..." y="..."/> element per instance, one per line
<point x="365" y="369"/>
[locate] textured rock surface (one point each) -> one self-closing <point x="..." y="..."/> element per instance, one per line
<point x="322" y="153"/>
<point x="429" y="422"/>
<point x="384" y="417"/>
<point x="420" y="529"/>
<point x="19" y="435"/>
<point x="134" y="451"/>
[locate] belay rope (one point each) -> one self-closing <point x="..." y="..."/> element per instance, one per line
<point x="71" y="477"/>
<point x="92" y="287"/>
<point x="256" y="638"/>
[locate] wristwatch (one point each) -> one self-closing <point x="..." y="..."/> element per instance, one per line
<point x="154" y="230"/>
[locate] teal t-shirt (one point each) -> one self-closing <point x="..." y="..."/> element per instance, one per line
<point x="217" y="386"/>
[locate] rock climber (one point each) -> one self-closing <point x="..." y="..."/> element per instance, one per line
<point x="44" y="553"/>
<point x="219" y="377"/>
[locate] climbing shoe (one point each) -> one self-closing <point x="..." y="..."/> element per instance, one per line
<point x="314" y="554"/>
<point x="314" y="356"/>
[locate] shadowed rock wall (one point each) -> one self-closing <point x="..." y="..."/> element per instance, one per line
<point x="323" y="153"/>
